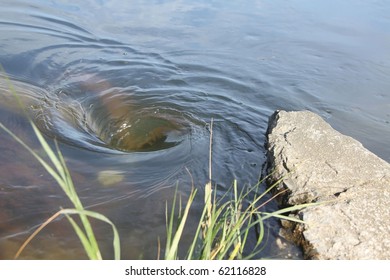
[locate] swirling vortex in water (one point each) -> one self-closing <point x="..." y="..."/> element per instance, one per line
<point x="103" y="119"/>
<point x="122" y="124"/>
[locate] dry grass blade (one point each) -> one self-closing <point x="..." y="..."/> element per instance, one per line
<point x="31" y="237"/>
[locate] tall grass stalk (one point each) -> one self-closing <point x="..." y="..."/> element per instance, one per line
<point x="57" y="168"/>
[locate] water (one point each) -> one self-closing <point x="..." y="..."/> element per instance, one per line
<point x="94" y="72"/>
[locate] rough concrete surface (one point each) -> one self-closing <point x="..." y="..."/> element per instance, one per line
<point x="319" y="164"/>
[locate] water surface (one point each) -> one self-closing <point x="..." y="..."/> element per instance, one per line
<point x="94" y="72"/>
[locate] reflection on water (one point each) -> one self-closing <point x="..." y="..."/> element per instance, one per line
<point x="128" y="90"/>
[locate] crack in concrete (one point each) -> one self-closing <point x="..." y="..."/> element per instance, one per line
<point x="331" y="167"/>
<point x="286" y="133"/>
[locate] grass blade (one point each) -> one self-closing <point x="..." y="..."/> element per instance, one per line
<point x="172" y="250"/>
<point x="98" y="216"/>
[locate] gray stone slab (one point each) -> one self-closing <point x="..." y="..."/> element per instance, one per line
<point x="318" y="163"/>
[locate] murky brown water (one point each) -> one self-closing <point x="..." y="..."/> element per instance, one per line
<point x="94" y="73"/>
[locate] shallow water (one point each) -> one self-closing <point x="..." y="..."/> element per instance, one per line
<point x="94" y="72"/>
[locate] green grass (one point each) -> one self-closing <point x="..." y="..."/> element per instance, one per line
<point x="57" y="168"/>
<point x="222" y="231"/>
<point x="225" y="223"/>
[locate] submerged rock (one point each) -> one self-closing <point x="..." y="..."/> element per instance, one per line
<point x="318" y="164"/>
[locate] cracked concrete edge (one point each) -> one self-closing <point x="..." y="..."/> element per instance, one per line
<point x="318" y="163"/>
